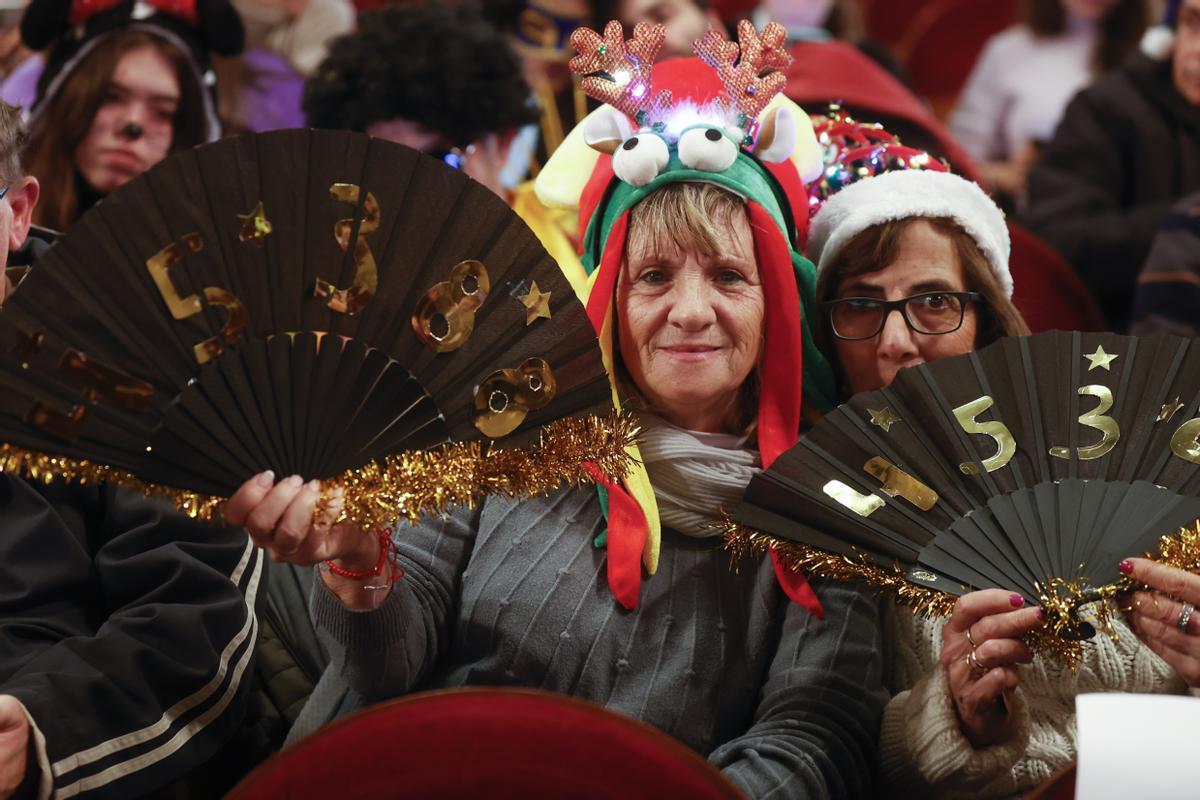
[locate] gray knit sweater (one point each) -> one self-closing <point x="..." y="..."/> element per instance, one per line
<point x="515" y="594"/>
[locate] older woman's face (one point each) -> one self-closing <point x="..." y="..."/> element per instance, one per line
<point x="926" y="262"/>
<point x="134" y="126"/>
<point x="690" y="326"/>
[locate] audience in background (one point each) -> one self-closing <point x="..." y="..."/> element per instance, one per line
<point x="1026" y="76"/>
<point x="116" y="96"/>
<point x="538" y="31"/>
<point x="685" y="20"/>
<point x="1168" y="290"/>
<point x="436" y="78"/>
<point x="1127" y="150"/>
<point x="261" y="89"/>
<point x="823" y="20"/>
<point x="1096" y="144"/>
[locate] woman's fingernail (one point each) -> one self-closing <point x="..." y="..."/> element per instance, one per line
<point x="266" y="479"/>
<point x="1041" y="615"/>
<point x="314" y="486"/>
<point x="1016" y="600"/>
<point x="295" y="481"/>
<point x="1126" y="567"/>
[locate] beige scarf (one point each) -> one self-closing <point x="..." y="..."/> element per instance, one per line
<point x="695" y="475"/>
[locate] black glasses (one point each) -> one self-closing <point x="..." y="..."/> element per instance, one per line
<point x="930" y="313"/>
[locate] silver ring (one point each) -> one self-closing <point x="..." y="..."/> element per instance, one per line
<point x="971" y="639"/>
<point x="973" y="663"/>
<point x="1185" y="615"/>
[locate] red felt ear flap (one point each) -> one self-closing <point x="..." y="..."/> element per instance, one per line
<point x="601" y="296"/>
<point x="782" y="370"/>
<point x="626" y="537"/>
<point x="781" y="393"/>
<point x="593" y="191"/>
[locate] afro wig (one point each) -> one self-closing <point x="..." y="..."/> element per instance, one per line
<point x="441" y="66"/>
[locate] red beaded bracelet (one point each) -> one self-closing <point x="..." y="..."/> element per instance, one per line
<point x="387" y="556"/>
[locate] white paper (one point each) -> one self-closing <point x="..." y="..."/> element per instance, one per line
<point x="1137" y="747"/>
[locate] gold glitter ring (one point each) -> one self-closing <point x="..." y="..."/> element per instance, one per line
<point x="977" y="669"/>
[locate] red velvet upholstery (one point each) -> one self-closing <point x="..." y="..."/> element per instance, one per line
<point x="825" y="72"/>
<point x="486" y="743"/>
<point x="944" y="41"/>
<point x="887" y="21"/>
<point x="1047" y="291"/>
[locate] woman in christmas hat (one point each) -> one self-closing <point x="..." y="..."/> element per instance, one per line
<point x="627" y="599"/>
<point x="973" y="712"/>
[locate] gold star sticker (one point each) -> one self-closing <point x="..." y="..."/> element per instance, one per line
<point x="1169" y="410"/>
<point x="537" y="304"/>
<point x="884" y="418"/>
<point x="1099" y="359"/>
<point x="255" y="225"/>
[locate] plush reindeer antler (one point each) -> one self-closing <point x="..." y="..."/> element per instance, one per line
<point x="757" y="77"/>
<point x="618" y="72"/>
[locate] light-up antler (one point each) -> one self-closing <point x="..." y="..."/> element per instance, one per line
<point x="754" y="79"/>
<point x="618" y="72"/>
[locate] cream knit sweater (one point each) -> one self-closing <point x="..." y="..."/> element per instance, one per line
<point x="924" y="754"/>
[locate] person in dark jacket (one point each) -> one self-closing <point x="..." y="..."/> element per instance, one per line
<point x="126" y="630"/>
<point x="1168" y="290"/>
<point x="1127" y="149"/>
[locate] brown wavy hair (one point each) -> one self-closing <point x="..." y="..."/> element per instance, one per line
<point x="65" y="122"/>
<point x="1120" y="31"/>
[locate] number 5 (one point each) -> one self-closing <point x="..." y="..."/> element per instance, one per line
<point x="1006" y="445"/>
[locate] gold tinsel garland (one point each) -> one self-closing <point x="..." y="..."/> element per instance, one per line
<point x="1060" y="600"/>
<point x="406" y="485"/>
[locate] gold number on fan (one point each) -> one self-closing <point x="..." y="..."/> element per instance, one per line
<point x="366" y="273"/>
<point x="160" y="265"/>
<point x="1186" y="441"/>
<point x="895" y="483"/>
<point x="1097" y="419"/>
<point x="1001" y="435"/>
<point x="97" y="382"/>
<point x="445" y="316"/>
<point x="506" y="397"/>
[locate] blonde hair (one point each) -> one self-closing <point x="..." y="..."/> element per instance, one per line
<point x="685" y="216"/>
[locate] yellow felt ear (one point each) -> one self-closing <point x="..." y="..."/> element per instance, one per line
<point x="562" y="180"/>
<point x="806" y="155"/>
<point x="637" y="482"/>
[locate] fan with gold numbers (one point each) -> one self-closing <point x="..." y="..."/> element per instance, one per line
<point x="309" y="302"/>
<point x="1035" y="464"/>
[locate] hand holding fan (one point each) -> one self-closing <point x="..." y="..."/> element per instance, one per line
<point x="312" y="302"/>
<point x="1035" y="464"/>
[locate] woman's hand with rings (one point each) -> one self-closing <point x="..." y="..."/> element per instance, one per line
<point x="981" y="646"/>
<point x="1163" y="618"/>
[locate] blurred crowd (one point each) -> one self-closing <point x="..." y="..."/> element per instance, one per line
<point x="1080" y="118"/>
<point x="1063" y="109"/>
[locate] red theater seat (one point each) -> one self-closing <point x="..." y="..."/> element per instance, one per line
<point x="943" y="43"/>
<point x="1046" y="290"/>
<point x="486" y="743"/>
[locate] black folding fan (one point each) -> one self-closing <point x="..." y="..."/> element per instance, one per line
<point x="302" y="301"/>
<point x="1035" y="464"/>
